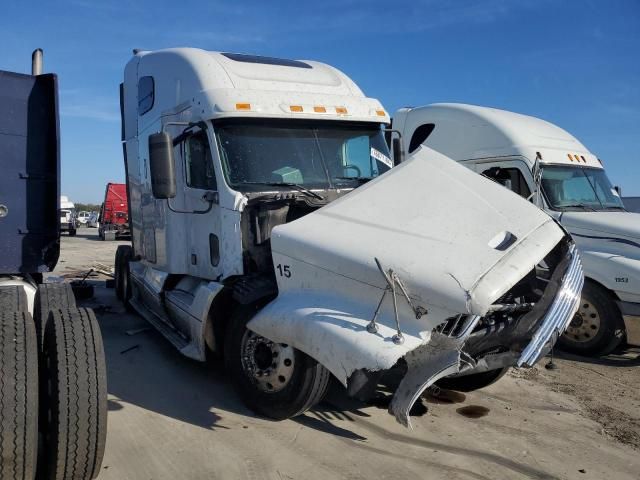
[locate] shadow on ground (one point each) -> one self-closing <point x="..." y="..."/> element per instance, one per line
<point x="624" y="356"/>
<point x="144" y="369"/>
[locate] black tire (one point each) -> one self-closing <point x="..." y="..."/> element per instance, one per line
<point x="305" y="388"/>
<point x="474" y="381"/>
<point x="13" y="298"/>
<point x="72" y="232"/>
<point x="124" y="254"/>
<point x="51" y="296"/>
<point x="597" y="328"/>
<point x="73" y="397"/>
<point x="18" y="395"/>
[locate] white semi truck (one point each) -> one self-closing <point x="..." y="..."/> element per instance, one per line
<point x="544" y="163"/>
<point x="68" y="216"/>
<point x="268" y="226"/>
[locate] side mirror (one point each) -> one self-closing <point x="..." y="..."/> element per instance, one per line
<point x="163" y="172"/>
<point x="398" y="151"/>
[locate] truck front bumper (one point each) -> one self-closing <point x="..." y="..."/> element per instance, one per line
<point x="522" y="344"/>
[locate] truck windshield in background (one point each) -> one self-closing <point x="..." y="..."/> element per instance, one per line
<point x="313" y="154"/>
<point x="579" y="188"/>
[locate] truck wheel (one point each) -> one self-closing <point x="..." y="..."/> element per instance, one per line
<point x="51" y="296"/>
<point x="124" y="254"/>
<point x="73" y="396"/>
<point x="18" y="395"/>
<point x="13" y="298"/>
<point x="597" y="328"/>
<point x="273" y="379"/>
<point x="474" y="381"/>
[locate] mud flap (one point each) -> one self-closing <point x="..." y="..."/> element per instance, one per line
<point x="425" y="365"/>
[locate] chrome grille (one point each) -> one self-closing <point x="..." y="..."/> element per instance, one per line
<point x="559" y="314"/>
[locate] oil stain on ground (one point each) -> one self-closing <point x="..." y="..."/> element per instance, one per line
<point x="473" y="411"/>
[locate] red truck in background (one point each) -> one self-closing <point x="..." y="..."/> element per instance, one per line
<point x="114" y="214"/>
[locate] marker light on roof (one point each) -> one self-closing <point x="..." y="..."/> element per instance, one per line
<point x="583" y="159"/>
<point x="341" y="110"/>
<point x="380" y="113"/>
<point x="243" y="106"/>
<point x="296" y="108"/>
<point x="319" y="109"/>
<point x="570" y="156"/>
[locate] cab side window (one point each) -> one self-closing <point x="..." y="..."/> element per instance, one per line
<point x="511" y="178"/>
<point x="420" y="136"/>
<point x="146" y="94"/>
<point x="199" y="172"/>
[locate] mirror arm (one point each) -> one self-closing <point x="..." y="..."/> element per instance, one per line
<point x="169" y="124"/>
<point x="188" y="126"/>
<point x="392" y="130"/>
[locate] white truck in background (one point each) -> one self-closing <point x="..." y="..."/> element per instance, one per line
<point x="267" y="226"/>
<point x="544" y="163"/>
<point x="68" y="216"/>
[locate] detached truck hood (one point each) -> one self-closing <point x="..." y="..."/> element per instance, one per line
<point x="439" y="225"/>
<point x="456" y="241"/>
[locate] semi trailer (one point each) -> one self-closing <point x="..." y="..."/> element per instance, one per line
<point x="53" y="398"/>
<point x="543" y="163"/>
<point x="269" y="228"/>
<point x="114" y="213"/>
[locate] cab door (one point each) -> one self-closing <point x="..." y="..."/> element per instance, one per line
<point x="200" y="206"/>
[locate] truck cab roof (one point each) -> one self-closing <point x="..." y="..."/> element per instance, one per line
<point x="215" y="85"/>
<point x="465" y="132"/>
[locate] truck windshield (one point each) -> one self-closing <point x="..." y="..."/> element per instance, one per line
<point x="579" y="188"/>
<point x="319" y="155"/>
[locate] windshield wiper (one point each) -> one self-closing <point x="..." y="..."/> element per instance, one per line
<point x="579" y="205"/>
<point x="298" y="187"/>
<point x="357" y="179"/>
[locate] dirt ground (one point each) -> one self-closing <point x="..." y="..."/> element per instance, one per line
<point x="174" y="418"/>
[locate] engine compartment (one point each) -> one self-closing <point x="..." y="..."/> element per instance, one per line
<point x="264" y="212"/>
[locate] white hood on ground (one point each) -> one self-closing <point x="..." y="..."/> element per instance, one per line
<point x="434" y="222"/>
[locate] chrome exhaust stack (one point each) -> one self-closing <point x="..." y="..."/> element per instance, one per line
<point x="36" y="62"/>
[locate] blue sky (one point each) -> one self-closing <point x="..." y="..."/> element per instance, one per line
<point x="574" y="63"/>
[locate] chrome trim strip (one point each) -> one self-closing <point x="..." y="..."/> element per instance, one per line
<point x="559" y="314"/>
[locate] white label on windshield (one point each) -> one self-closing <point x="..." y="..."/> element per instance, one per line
<point x="614" y="192"/>
<point x="382" y="157"/>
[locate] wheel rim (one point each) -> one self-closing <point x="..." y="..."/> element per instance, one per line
<point x="269" y="365"/>
<point x="585" y="324"/>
